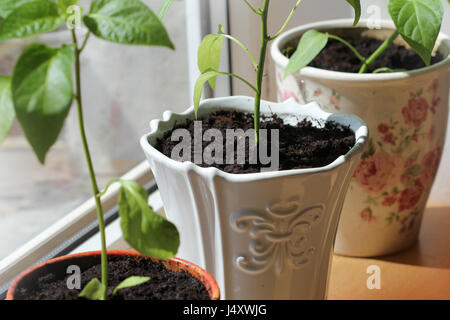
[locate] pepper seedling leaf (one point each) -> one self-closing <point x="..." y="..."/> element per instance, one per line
<point x="6" y="107"/>
<point x="126" y="22"/>
<point x="310" y="45"/>
<point x="198" y="88"/>
<point x="131" y="282"/>
<point x="42" y="93"/>
<point x="8" y="6"/>
<point x="209" y="54"/>
<point x="356" y="4"/>
<point x="165" y="6"/>
<point x="31" y="18"/>
<point x="64" y="4"/>
<point x="94" y="290"/>
<point x="146" y="231"/>
<point x="419" y="23"/>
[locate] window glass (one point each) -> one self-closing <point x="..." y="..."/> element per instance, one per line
<point x="123" y="88"/>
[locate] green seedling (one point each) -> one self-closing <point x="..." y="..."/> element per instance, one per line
<point x="418" y="22"/>
<point x="210" y="51"/>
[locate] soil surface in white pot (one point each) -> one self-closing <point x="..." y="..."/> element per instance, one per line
<point x="164" y="284"/>
<point x="338" y="57"/>
<point x="304" y="145"/>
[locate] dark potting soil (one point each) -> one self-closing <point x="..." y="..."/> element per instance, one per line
<point x="301" y="146"/>
<point x="163" y="285"/>
<point x="338" y="57"/>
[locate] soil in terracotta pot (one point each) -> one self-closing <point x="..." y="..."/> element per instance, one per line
<point x="338" y="57"/>
<point x="301" y="146"/>
<point x="163" y="285"/>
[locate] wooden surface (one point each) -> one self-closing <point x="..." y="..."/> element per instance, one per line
<point x="421" y="272"/>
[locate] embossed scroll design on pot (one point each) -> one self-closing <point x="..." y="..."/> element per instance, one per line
<point x="279" y="236"/>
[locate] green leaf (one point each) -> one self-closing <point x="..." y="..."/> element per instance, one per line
<point x="414" y="170"/>
<point x="310" y="45"/>
<point x="94" y="290"/>
<point x="42" y="93"/>
<point x="198" y="89"/>
<point x="64" y="4"/>
<point x="209" y="54"/>
<point x="126" y="22"/>
<point x="356" y="4"/>
<point x="8" y="6"/>
<point x="31" y="18"/>
<point x="131" y="282"/>
<point x="146" y="231"/>
<point x="6" y="107"/>
<point x="165" y="6"/>
<point x="419" y="23"/>
<point x="370" y="150"/>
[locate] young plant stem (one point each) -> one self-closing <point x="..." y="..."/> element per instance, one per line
<point x="291" y="14"/>
<point x="385" y="69"/>
<point x="240" y="44"/>
<point x="357" y="54"/>
<point x="239" y="78"/>
<point x="251" y="7"/>
<point x="378" y="52"/>
<point x="95" y="190"/>
<point x="260" y="71"/>
<point x="83" y="45"/>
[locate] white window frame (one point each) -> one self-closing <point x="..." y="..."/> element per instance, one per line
<point x="203" y="17"/>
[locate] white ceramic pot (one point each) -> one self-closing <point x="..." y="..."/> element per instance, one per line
<point x="265" y="235"/>
<point x="406" y="114"/>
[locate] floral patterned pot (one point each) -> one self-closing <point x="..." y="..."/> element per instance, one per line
<point x="407" y="116"/>
<point x="266" y="235"/>
<point x="86" y="260"/>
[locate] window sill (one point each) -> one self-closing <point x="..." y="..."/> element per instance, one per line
<point x="75" y="232"/>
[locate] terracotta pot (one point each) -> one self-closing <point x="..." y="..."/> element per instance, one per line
<point x="88" y="259"/>
<point x="265" y="235"/>
<point x="406" y="113"/>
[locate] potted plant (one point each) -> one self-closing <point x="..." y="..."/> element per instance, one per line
<point x="40" y="93"/>
<point x="397" y="79"/>
<point x="263" y="232"/>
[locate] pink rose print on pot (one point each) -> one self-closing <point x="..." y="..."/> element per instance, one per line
<point x="366" y="214"/>
<point x="289" y="94"/>
<point x="383" y="128"/>
<point x="410" y="197"/>
<point x="334" y="101"/>
<point x="379" y="171"/>
<point x="389" y="201"/>
<point x="430" y="164"/>
<point x="416" y="112"/>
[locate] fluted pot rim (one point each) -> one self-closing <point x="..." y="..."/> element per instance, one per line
<point x="317" y="73"/>
<point x="244" y="103"/>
